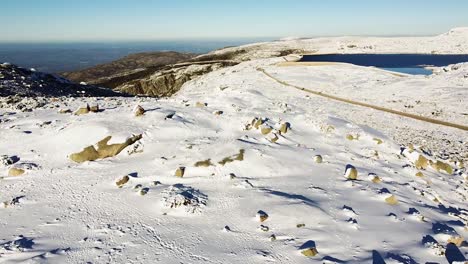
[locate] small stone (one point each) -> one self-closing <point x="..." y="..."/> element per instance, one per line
<point x="309" y="249"/>
<point x="284" y="127"/>
<point x="419" y="174"/>
<point x="6" y="160"/>
<point x="94" y="108"/>
<point x="257" y="122"/>
<point x="376" y="179"/>
<point x="318" y="159"/>
<point x="137" y="187"/>
<point x="262" y="216"/>
<point x="264" y="228"/>
<point x="139" y="111"/>
<point x="439" y="165"/>
<point x="351" y="172"/>
<point x="265" y="130"/>
<point x="64" y="111"/>
<point x="272" y="238"/>
<point x="82" y="110"/>
<point x="144" y="191"/>
<point x="15" y="172"/>
<point x="457" y="240"/>
<point x="232" y="176"/>
<point x="203" y="163"/>
<point x="310" y="252"/>
<point x="180" y="172"/>
<point x="156" y="183"/>
<point x="459" y="164"/>
<point x="200" y="104"/>
<point x="218" y="112"/>
<point x="227" y="229"/>
<point x="391" y="200"/>
<point x="378" y="141"/>
<point x="300" y="225"/>
<point x="121" y="181"/>
<point x="274" y="137"/>
<point x="421" y="163"/>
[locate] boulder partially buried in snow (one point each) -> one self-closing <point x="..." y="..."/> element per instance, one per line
<point x="6" y="160"/>
<point x="180" y="196"/>
<point x="351" y="172"/>
<point x="308" y="249"/>
<point x="139" y="111"/>
<point x="103" y="150"/>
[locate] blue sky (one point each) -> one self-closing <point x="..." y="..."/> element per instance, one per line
<point x="97" y="20"/>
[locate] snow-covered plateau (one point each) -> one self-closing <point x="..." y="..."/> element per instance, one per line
<point x="238" y="167"/>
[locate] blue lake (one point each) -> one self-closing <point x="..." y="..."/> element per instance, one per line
<point x="405" y="63"/>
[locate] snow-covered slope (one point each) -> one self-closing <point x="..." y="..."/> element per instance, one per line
<point x="400" y="209"/>
<point x="452" y="42"/>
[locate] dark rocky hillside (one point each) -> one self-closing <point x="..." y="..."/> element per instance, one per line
<point x="131" y="67"/>
<point x="22" y="82"/>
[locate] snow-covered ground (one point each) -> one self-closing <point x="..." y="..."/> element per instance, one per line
<point x="60" y="211"/>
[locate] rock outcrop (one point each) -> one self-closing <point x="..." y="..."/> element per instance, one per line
<point x="20" y="82"/>
<point x="168" y="81"/>
<point x="103" y="150"/>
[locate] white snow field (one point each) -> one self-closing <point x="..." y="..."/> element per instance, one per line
<point x="400" y="209"/>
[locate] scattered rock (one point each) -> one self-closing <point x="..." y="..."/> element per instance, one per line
<point x="238" y="157"/>
<point x="12" y="172"/>
<point x="378" y="141"/>
<point x="419" y="174"/>
<point x="144" y="191"/>
<point x="180" y="172"/>
<point x="272" y="238"/>
<point x="264" y="228"/>
<point x="392" y="200"/>
<point x="318" y="159"/>
<point x="139" y="111"/>
<point x="421" y="163"/>
<point x="261" y="216"/>
<point x="94" y="108"/>
<point x="136" y="148"/>
<point x="227" y="229"/>
<point x="351" y="172"/>
<point x="203" y="163"/>
<point x="375" y="178"/>
<point x="265" y="129"/>
<point x="13" y="201"/>
<point x="218" y="112"/>
<point x="284" y="127"/>
<point x="300" y="225"/>
<point x="83" y="110"/>
<point x="103" y="150"/>
<point x="6" y="160"/>
<point x="137" y="187"/>
<point x="439" y="165"/>
<point x="122" y="181"/>
<point x="156" y="183"/>
<point x="179" y="195"/>
<point x="65" y="111"/>
<point x="352" y="137"/>
<point x="273" y="137"/>
<point x="457" y="240"/>
<point x="200" y="104"/>
<point x="432" y="244"/>
<point x="308" y="249"/>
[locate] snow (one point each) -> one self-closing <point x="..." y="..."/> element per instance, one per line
<point x="75" y="213"/>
